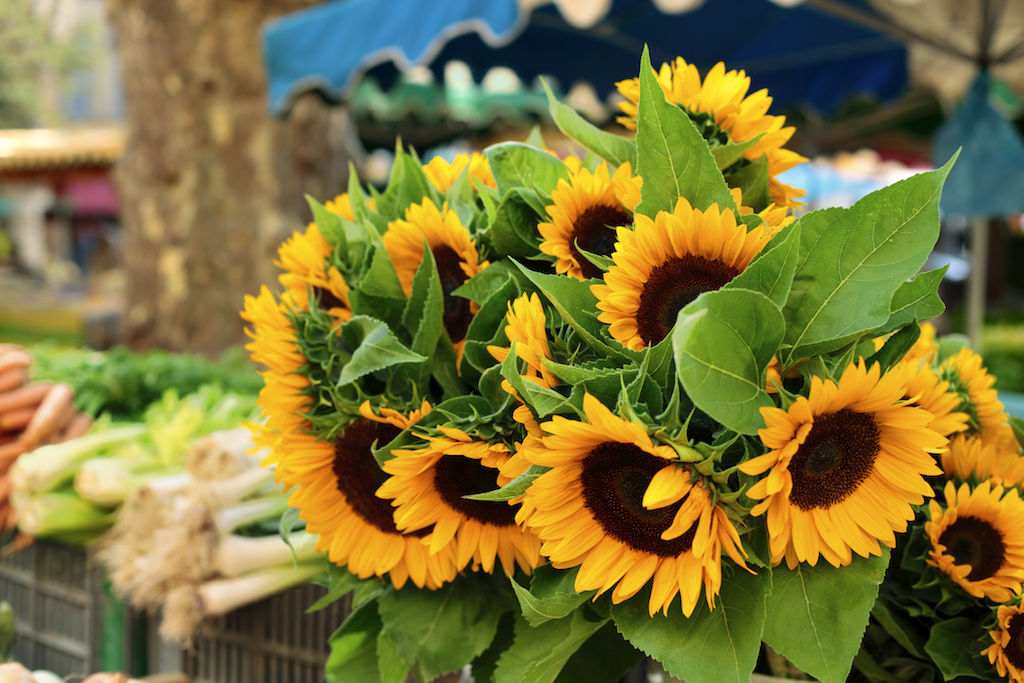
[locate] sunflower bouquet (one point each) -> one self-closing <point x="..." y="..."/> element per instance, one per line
<point x="547" y="416"/>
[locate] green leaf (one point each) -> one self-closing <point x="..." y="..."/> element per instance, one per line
<point x="615" y="149"/>
<point x="341" y="583"/>
<point x="513" y="231"/>
<point x="328" y="223"/>
<point x="728" y="154"/>
<point x="552" y="594"/>
<point x="672" y="157"/>
<point x="817" y="615"/>
<point x="711" y="646"/>
<point x="439" y="631"/>
<point x="895" y="347"/>
<point x="544" y="401"/>
<point x="537" y="654"/>
<point x="900" y="628"/>
<point x="606" y="656"/>
<point x="380" y="279"/>
<point x="1018" y="429"/>
<point x="914" y="301"/>
<point x="374" y="347"/>
<point x="723" y="342"/>
<point x="390" y="666"/>
<point x="407" y="184"/>
<point x="353" y="646"/>
<point x="481" y="286"/>
<point x="514" y="488"/>
<point x="536" y="138"/>
<point x="771" y="272"/>
<point x="853" y="260"/>
<point x="576" y="305"/>
<point x="517" y="165"/>
<point x="425" y="306"/>
<point x="484" y="665"/>
<point x="752" y="179"/>
<point x="953" y="646"/>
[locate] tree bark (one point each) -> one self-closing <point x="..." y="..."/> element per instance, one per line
<point x="210" y="182"/>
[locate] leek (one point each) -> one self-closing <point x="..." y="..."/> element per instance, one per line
<point x="237" y="555"/>
<point x="108" y="481"/>
<point x="61" y="513"/>
<point x="49" y="467"/>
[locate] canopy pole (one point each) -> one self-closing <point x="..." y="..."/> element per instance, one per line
<point x="977" y="280"/>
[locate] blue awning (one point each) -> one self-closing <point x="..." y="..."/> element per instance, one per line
<point x="800" y="54"/>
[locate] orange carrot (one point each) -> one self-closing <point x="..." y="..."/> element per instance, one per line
<point x="10" y="452"/>
<point x="17" y="358"/>
<point x="17" y="419"/>
<point x="78" y="426"/>
<point x="27" y="396"/>
<point x="12" y="378"/>
<point x="5" y="487"/>
<point x="47" y="418"/>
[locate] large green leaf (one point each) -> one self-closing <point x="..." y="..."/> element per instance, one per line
<point x="711" y="646"/>
<point x="853" y="260"/>
<point x="439" y="631"/>
<point x="538" y="653"/>
<point x="517" y="165"/>
<point x="353" y="655"/>
<point x="953" y="646"/>
<point x="817" y="615"/>
<point x="390" y="666"/>
<point x="672" y="157"/>
<point x="513" y="232"/>
<point x="916" y="300"/>
<point x="374" y="347"/>
<point x="613" y="148"/>
<point x="723" y="342"/>
<point x="552" y="595"/>
<point x="605" y="656"/>
<point x="771" y="272"/>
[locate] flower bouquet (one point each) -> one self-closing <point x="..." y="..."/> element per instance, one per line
<point x="549" y="416"/>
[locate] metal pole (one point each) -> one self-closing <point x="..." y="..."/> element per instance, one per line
<point x="977" y="280"/>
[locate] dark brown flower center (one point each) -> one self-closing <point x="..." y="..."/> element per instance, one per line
<point x="456" y="476"/>
<point x="1015" y="648"/>
<point x="456" y="309"/>
<point x="977" y="543"/>
<point x="358" y="475"/>
<point x="594" y="231"/>
<point x="671" y="286"/>
<point x="615" y="477"/>
<point x="837" y="456"/>
<point x="327" y="299"/>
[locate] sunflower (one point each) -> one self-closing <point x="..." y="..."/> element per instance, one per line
<point x="775" y="217"/>
<point x="978" y="539"/>
<point x="1007" y="648"/>
<point x="927" y="390"/>
<point x="723" y="112"/>
<point x="427" y="487"/>
<point x="335" y="497"/>
<point x="972" y="383"/>
<point x="662" y="265"/>
<point x="623" y="510"/>
<point x="453" y="250"/>
<point x="587" y="209"/>
<point x="971" y="456"/>
<point x="525" y="329"/>
<point x="303" y="258"/>
<point x="284" y="398"/>
<point x="442" y="174"/>
<point x="846" y="465"/>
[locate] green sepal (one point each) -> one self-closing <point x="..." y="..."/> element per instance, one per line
<point x="514" y="488"/>
<point x="373" y="346"/>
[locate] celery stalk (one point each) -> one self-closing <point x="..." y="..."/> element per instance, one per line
<point x="61" y="513"/>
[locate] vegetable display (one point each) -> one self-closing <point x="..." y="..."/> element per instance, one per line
<point x="547" y="416"/>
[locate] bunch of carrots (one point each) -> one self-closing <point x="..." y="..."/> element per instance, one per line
<point x="31" y="414"/>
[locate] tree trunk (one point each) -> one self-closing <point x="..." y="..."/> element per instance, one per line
<point x="210" y="183"/>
